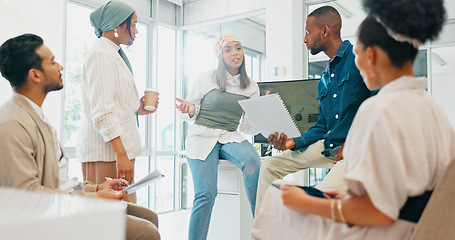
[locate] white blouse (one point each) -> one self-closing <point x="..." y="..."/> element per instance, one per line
<point x="201" y="140"/>
<point x="110" y="101"/>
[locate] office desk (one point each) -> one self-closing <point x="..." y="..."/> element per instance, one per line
<point x="39" y="215"/>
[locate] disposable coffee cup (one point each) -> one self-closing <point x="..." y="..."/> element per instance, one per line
<point x="151" y="97"/>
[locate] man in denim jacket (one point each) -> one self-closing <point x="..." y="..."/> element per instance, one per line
<point x="341" y="90"/>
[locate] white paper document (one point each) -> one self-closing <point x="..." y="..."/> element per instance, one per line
<point x="147" y="180"/>
<point x="269" y="115"/>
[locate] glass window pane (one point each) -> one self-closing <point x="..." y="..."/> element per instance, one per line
<point x="137" y="55"/>
<point x="248" y="66"/>
<point x="166" y="86"/>
<point x="141" y="169"/>
<point x="317" y="174"/>
<point x="420" y="64"/>
<point x="164" y="195"/>
<point x="202" y="47"/>
<point x="79" y="39"/>
<point x="256" y="69"/>
<point x="167" y="12"/>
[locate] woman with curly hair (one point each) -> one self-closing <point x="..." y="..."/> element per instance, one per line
<point x="399" y="144"/>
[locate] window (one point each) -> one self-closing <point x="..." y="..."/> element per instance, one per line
<point x="137" y="55"/>
<point x="165" y="119"/>
<point x="253" y="64"/>
<point x="166" y="86"/>
<point x="79" y="39"/>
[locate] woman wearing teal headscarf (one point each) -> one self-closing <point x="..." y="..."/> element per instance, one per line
<point x="109" y="139"/>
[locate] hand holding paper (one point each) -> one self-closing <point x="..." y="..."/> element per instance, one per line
<point x="281" y="142"/>
<point x="269" y="114"/>
<point x="147" y="180"/>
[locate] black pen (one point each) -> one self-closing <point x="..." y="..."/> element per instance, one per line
<point x="276" y="185"/>
<point x="120" y="183"/>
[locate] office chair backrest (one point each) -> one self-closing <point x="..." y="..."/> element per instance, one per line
<point x="438" y="218"/>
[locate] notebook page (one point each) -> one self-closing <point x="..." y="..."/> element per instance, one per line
<point x="269" y="115"/>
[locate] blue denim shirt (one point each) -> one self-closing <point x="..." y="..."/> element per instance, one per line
<point x="341" y="90"/>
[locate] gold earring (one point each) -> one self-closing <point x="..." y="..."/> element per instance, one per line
<point x="115" y="33"/>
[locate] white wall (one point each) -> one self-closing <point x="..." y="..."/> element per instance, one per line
<point x="284" y="39"/>
<point x="443" y="76"/>
<point x="46" y="19"/>
<point x="204" y="10"/>
<point x="142" y="7"/>
<point x="443" y="86"/>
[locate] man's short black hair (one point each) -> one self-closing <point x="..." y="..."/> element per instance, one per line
<point x="323" y="11"/>
<point x="328" y="15"/>
<point x="17" y="56"/>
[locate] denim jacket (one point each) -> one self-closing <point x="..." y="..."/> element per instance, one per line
<point x="341" y="90"/>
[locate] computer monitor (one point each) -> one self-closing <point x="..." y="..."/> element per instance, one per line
<point x="299" y="96"/>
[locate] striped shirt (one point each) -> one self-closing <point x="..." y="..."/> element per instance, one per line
<point x="110" y="101"/>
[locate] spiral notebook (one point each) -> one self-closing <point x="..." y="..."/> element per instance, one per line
<point x="269" y="115"/>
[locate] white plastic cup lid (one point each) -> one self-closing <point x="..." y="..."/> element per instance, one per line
<point x="149" y="108"/>
<point x="151" y="90"/>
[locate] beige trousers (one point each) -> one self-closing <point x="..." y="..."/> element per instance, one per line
<point x="96" y="172"/>
<point x="141" y="223"/>
<point x="277" y="167"/>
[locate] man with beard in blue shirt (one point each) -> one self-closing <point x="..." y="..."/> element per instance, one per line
<point x="341" y="90"/>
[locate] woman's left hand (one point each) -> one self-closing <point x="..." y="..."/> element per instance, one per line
<point x="142" y="110"/>
<point x="114" y="184"/>
<point x="337" y="194"/>
<point x="293" y="197"/>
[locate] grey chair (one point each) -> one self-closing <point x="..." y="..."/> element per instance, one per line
<point x="438" y="218"/>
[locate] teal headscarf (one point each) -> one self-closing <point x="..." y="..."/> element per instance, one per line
<point x="110" y="16"/>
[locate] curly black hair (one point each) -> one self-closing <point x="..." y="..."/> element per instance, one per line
<point x="18" y="56"/>
<point x="419" y="19"/>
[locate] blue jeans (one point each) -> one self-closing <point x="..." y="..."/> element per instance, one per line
<point x="205" y="176"/>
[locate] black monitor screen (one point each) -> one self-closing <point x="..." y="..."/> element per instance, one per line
<point x="299" y="96"/>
